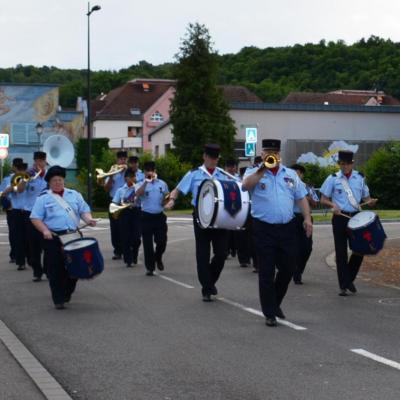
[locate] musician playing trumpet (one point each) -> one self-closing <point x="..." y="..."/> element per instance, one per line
<point x="152" y="192"/>
<point x="128" y="220"/>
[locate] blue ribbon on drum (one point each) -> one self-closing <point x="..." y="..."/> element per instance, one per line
<point x="232" y="197"/>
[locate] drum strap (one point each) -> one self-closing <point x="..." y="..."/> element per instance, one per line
<point x="67" y="208"/>
<point x="349" y="193"/>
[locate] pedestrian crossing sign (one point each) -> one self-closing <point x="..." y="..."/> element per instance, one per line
<point x="250" y="149"/>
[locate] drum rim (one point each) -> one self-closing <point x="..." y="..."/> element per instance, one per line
<point x="215" y="213"/>
<point x="366" y="224"/>
<point x="79" y="239"/>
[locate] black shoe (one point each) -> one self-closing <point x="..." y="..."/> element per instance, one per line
<point x="129" y="266"/>
<point x="59" y="306"/>
<point x="160" y="265"/>
<point x="149" y="273"/>
<point x="279" y="313"/>
<point x="271" y="321"/>
<point x="67" y="299"/>
<point x="116" y="257"/>
<point x="21" y="267"/>
<point x="343" y="293"/>
<point x="214" y="291"/>
<point x="244" y="265"/>
<point x="37" y="279"/>
<point x="207" y="298"/>
<point x="298" y="282"/>
<point x="12" y="260"/>
<point x="352" y="288"/>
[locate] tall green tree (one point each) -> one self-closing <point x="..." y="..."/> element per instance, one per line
<point x="199" y="113"/>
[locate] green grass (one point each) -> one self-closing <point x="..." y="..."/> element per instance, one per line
<point x="383" y="214"/>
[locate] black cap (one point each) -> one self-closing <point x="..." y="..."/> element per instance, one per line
<point x="39" y="155"/>
<point x="55" y="170"/>
<point x="129" y="173"/>
<point x="298" y="167"/>
<point x="122" y="153"/>
<point x="346" y="156"/>
<point x="133" y="159"/>
<point x="257" y="159"/>
<point x="22" y="166"/>
<point x="212" y="150"/>
<point x="149" y="166"/>
<point x="271" y="144"/>
<point x="231" y="162"/>
<point x="16" y="161"/>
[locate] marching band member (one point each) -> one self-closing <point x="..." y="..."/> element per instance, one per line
<point x="151" y="194"/>
<point x="7" y="205"/>
<point x="343" y="192"/>
<point x="33" y="188"/>
<point x="304" y="242"/>
<point x="133" y="164"/>
<point x="273" y="192"/>
<point x="129" y="219"/>
<point x="208" y="272"/>
<point x="111" y="185"/>
<point x="50" y="218"/>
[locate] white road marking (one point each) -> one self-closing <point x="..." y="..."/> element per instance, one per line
<point x="4" y="243"/>
<point x="260" y="314"/>
<point x="377" y="358"/>
<point x="50" y="388"/>
<point x="185" y="285"/>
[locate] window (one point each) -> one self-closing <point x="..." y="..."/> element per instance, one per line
<point x="238" y="148"/>
<point x="157" y="117"/>
<point x="133" y="131"/>
<point x="24" y="133"/>
<point x="167" y="148"/>
<point x="156" y="150"/>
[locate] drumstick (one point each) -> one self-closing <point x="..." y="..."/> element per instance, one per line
<point x="343" y="215"/>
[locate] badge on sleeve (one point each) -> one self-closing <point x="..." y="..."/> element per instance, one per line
<point x="289" y="181"/>
<point x="262" y="186"/>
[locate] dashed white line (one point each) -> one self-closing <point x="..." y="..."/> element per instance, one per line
<point x="50" y="388"/>
<point x="185" y="285"/>
<point x="377" y="358"/>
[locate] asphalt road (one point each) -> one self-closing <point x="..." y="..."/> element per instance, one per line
<point x="129" y="336"/>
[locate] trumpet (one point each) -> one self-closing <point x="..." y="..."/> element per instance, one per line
<point x="115" y="169"/>
<point x="115" y="210"/>
<point x="271" y="161"/>
<point x="151" y="176"/>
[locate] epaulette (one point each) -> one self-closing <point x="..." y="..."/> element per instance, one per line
<point x="360" y="173"/>
<point x="43" y="192"/>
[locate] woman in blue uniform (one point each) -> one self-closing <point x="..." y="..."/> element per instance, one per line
<point x="51" y="217"/>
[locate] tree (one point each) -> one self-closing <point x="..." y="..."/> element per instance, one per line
<point x="199" y="113"/>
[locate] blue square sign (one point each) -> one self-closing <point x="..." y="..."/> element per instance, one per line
<point x="251" y="135"/>
<point x="250" y="149"/>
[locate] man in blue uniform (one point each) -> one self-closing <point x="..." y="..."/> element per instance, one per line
<point x="274" y="191"/>
<point x="50" y="218"/>
<point x="33" y="188"/>
<point x="208" y="272"/>
<point x="7" y="206"/>
<point x="129" y="219"/>
<point x="304" y="242"/>
<point x="343" y="192"/>
<point x="151" y="193"/>
<point x="133" y="164"/>
<point x="111" y="185"/>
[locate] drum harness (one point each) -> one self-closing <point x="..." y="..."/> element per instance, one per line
<point x="349" y="193"/>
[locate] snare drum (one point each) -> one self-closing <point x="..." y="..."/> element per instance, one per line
<point x="366" y="234"/>
<point x="222" y="205"/>
<point x="83" y="259"/>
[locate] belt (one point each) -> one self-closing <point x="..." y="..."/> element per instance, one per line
<point x="348" y="213"/>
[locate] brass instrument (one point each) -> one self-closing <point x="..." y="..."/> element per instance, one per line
<point x="18" y="178"/>
<point x="151" y="177"/>
<point x="115" y="209"/>
<point x="115" y="169"/>
<point x="271" y="161"/>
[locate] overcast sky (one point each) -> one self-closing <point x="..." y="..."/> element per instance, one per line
<point x="123" y="32"/>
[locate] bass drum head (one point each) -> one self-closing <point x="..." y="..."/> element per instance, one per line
<point x="362" y="219"/>
<point x="206" y="204"/>
<point x="78" y="244"/>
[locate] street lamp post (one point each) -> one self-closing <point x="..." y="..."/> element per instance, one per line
<point x="89" y="126"/>
<point x="39" y="131"/>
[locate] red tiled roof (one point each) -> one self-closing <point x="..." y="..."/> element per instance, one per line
<point x="345" y="98"/>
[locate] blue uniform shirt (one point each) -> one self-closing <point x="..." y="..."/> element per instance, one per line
<point x="118" y="182"/>
<point x="333" y="188"/>
<point x="154" y="193"/>
<point x="124" y="194"/>
<point x="33" y="189"/>
<point x="193" y="179"/>
<point x="50" y="212"/>
<point x="273" y="198"/>
<point x="17" y="199"/>
<point x="4" y="185"/>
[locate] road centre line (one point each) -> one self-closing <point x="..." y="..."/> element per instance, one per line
<point x="377" y="358"/>
<point x="50" y="388"/>
<point x="185" y="285"/>
<point x="260" y="314"/>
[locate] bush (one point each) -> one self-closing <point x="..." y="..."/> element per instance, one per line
<point x="315" y="175"/>
<point x="383" y="175"/>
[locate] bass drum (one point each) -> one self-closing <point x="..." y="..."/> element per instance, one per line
<point x="83" y="259"/>
<point x="222" y="205"/>
<point x="366" y="234"/>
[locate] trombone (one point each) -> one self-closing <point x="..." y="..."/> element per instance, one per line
<point x="23" y="177"/>
<point x="115" y="169"/>
<point x="115" y="209"/>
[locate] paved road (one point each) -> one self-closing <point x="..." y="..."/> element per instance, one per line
<point x="129" y="336"/>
